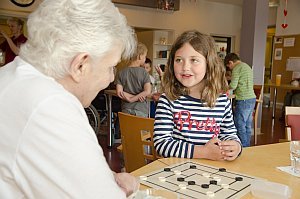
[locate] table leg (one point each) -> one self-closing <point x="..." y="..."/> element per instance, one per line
<point x="110" y="132"/>
<point x="274" y="102"/>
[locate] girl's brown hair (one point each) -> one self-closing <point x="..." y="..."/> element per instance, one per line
<point x="214" y="80"/>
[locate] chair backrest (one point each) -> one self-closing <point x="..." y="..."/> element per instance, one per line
<point x="258" y="90"/>
<point x="292" y="116"/>
<point x="293" y="121"/>
<point x="136" y="135"/>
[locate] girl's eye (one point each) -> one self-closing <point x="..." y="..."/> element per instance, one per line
<point x="178" y="60"/>
<point x="195" y="60"/>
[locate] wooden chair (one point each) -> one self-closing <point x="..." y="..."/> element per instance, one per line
<point x="258" y="90"/>
<point x="292" y="118"/>
<point x="136" y="135"/>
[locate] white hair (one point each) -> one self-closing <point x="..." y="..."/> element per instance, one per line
<point x="58" y="30"/>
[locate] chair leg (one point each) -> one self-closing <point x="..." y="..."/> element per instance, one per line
<point x="255" y="137"/>
<point x="254" y="132"/>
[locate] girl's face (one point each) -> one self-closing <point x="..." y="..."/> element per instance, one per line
<point x="190" y="68"/>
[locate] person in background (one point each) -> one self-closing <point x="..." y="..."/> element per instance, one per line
<point x="291" y="98"/>
<point x="148" y="67"/>
<point x="245" y="98"/>
<point x="194" y="117"/>
<point x="228" y="75"/>
<point x="11" y="45"/>
<point x="48" y="148"/>
<point x="156" y="95"/>
<point x="133" y="84"/>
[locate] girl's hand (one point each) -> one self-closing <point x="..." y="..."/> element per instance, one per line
<point x="212" y="150"/>
<point x="230" y="149"/>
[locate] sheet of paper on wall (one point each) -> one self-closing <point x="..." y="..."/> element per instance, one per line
<point x="278" y="54"/>
<point x="293" y="64"/>
<point x="296" y="75"/>
<point x="289" y="42"/>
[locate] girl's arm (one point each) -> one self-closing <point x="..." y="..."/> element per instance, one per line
<point x="231" y="145"/>
<point x="164" y="142"/>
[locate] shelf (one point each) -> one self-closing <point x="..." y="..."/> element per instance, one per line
<point x="159" y="43"/>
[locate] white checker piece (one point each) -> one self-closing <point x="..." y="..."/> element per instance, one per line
<point x="236" y="189"/>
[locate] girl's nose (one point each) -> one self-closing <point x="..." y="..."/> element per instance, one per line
<point x="185" y="65"/>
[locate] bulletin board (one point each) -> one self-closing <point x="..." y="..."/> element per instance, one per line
<point x="288" y="49"/>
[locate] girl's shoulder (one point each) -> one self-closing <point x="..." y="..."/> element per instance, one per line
<point x="223" y="98"/>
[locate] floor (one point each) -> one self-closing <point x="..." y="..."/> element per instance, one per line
<point x="272" y="131"/>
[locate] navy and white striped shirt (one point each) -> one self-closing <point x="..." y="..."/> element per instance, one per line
<point x="183" y="123"/>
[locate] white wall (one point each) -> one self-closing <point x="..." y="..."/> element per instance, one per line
<point x="207" y="17"/>
<point x="292" y="18"/>
<point x="272" y="16"/>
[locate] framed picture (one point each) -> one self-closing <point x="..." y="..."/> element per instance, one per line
<point x="278" y="54"/>
<point x="278" y="40"/>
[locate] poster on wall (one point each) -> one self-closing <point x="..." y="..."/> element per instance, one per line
<point x="278" y="54"/>
<point x="289" y="42"/>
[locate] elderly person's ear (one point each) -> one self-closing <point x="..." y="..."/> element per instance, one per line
<point x="79" y="66"/>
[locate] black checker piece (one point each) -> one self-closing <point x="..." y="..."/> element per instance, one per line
<point x="205" y="186"/>
<point x="191" y="182"/>
<point x="180" y="179"/>
<point x="167" y="169"/>
<point x="238" y="178"/>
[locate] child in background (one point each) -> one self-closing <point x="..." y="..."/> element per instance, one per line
<point x="133" y="84"/>
<point x="148" y="66"/>
<point x="194" y="117"/>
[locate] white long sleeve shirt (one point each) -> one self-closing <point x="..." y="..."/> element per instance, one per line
<point x="47" y="147"/>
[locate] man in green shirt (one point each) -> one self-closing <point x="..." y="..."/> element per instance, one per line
<point x="242" y="84"/>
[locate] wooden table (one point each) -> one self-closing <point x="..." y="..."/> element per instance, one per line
<point x="281" y="86"/>
<point x="109" y="94"/>
<point x="258" y="161"/>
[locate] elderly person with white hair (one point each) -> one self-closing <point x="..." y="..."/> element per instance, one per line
<point x="11" y="45"/>
<point x="47" y="147"/>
